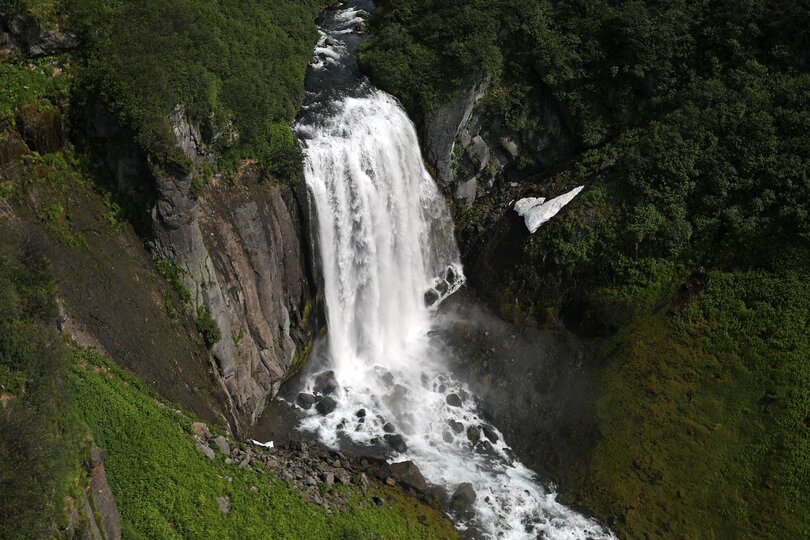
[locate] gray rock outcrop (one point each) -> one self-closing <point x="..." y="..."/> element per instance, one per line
<point x="240" y="245"/>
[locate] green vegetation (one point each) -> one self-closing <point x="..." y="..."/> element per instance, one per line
<point x="235" y="68"/>
<point x="166" y="488"/>
<point x="687" y="251"/>
<point x="41" y="438"/>
<point x="705" y="416"/>
<point x="24" y="84"/>
<point x="207" y="327"/>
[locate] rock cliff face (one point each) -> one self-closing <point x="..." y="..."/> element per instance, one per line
<point x="241" y="245"/>
<point x="474" y="150"/>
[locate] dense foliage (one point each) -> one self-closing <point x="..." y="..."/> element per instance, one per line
<point x="40" y="437"/>
<point x="235" y="68"/>
<point x="703" y="105"/>
<point x="689" y="247"/>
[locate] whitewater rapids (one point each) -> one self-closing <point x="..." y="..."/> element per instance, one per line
<point x="387" y="258"/>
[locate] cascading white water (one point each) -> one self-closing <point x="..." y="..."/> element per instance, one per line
<point x="388" y="257"/>
<point x="384" y="233"/>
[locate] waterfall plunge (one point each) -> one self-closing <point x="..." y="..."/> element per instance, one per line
<point x="386" y="247"/>
<point x="384" y="233"/>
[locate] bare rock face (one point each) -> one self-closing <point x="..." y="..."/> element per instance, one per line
<point x="241" y="245"/>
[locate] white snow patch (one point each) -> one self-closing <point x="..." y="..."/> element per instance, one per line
<point x="536" y="210"/>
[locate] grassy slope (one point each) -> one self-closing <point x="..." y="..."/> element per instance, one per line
<point x="705" y="416"/>
<point x="165" y="488"/>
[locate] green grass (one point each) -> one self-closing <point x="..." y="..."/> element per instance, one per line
<point x="24" y="84"/>
<point x="705" y="416"/>
<point x="165" y="488"/>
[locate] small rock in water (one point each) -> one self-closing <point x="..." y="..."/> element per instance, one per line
<point x="305" y="401"/>
<point x="326" y="406"/>
<point x="399" y="392"/>
<point x="397" y="443"/>
<point x="325" y="383"/>
<point x="453" y="400"/>
<point x="473" y="434"/>
<point x="389" y="428"/>
<point x="447" y="436"/>
<point x="463" y="498"/>
<point x="484" y="447"/>
<point x="388" y="378"/>
<point x="361" y="413"/>
<point x="490" y="434"/>
<point x="431" y="297"/>
<point x="331" y="41"/>
<point x="457" y="426"/>
<point x="408" y="474"/>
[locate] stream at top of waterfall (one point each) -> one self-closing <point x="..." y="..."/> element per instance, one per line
<point x="382" y="380"/>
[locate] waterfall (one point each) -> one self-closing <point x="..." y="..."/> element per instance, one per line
<point x="385" y="235"/>
<point x="388" y="258"/>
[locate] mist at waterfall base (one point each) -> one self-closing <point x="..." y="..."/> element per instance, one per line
<point x="387" y="259"/>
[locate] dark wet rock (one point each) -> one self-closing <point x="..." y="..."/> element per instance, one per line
<point x="305" y="401"/>
<point x="457" y="426"/>
<point x="325" y="383"/>
<point x="447" y="437"/>
<point x="453" y="400"/>
<point x="408" y="474"/>
<point x="451" y="276"/>
<point x="396" y="442"/>
<point x="361" y="413"/>
<point x="490" y="434"/>
<point x="463" y="498"/>
<point x="431" y="297"/>
<point x="389" y="428"/>
<point x="399" y="392"/>
<point x="326" y="406"/>
<point x="473" y="434"/>
<point x="442" y="287"/>
<point x="484" y="447"/>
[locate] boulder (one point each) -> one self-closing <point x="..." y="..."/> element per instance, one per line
<point x="206" y="450"/>
<point x="326" y="406"/>
<point x="431" y="297"/>
<point x="389" y="427"/>
<point x="453" y="400"/>
<point x="223" y="445"/>
<point x="325" y="383"/>
<point x="200" y="430"/>
<point x="305" y="401"/>
<point x="396" y="442"/>
<point x="447" y="437"/>
<point x="473" y="434"/>
<point x="457" y="426"/>
<point x="408" y="474"/>
<point x="361" y="413"/>
<point x="463" y="498"/>
<point x="490" y="434"/>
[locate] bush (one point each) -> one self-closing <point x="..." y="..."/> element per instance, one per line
<point x="207" y="327"/>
